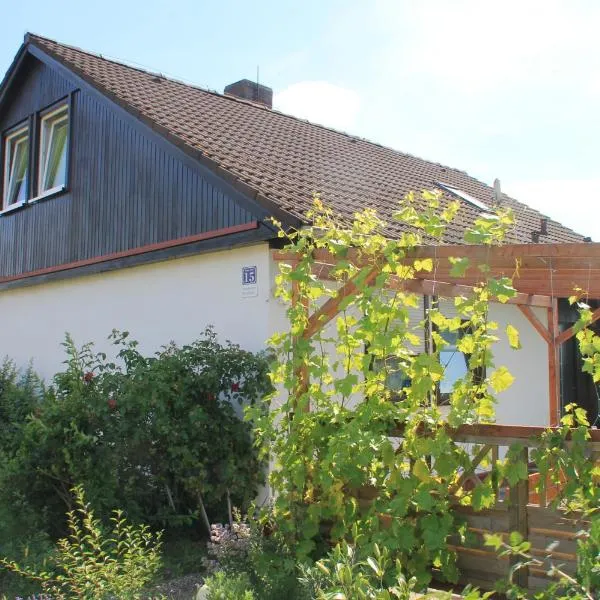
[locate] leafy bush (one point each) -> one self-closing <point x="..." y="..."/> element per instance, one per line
<point x="330" y="435"/>
<point x="245" y="549"/>
<point x="337" y="475"/>
<point x="222" y="586"/>
<point x="89" y="564"/>
<point x="343" y="575"/>
<point x="22" y="531"/>
<point x="156" y="435"/>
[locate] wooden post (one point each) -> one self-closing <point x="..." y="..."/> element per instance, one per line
<point x="494" y="465"/>
<point x="302" y="371"/>
<point x="517" y="518"/>
<point x="553" y="365"/>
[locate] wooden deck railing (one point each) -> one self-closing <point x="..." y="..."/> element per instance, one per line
<point x="519" y="508"/>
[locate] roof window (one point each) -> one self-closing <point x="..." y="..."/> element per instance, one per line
<point x="462" y="195"/>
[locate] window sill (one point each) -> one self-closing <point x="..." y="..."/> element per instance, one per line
<point x="61" y="189"/>
<point x="48" y="194"/>
<point x="13" y="207"/>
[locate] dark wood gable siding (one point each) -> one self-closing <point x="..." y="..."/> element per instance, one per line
<point x="125" y="192"/>
<point x="36" y="87"/>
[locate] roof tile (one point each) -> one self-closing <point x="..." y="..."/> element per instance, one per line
<point x="286" y="159"/>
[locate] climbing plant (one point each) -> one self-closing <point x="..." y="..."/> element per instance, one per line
<point x="338" y="475"/>
<point x="329" y="435"/>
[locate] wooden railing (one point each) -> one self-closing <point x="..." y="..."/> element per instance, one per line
<point x="519" y="508"/>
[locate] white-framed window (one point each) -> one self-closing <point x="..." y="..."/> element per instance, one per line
<point x="16" y="167"/>
<point x="54" y="146"/>
<point x="455" y="363"/>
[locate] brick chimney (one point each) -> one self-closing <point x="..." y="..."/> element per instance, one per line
<point x="250" y="90"/>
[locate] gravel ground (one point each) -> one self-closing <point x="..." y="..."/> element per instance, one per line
<point x="182" y="588"/>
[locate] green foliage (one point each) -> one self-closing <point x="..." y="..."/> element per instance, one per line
<point x="325" y="455"/>
<point x="91" y="564"/>
<point x="343" y="575"/>
<point x="155" y="435"/>
<point x="22" y="534"/>
<point x="222" y="586"/>
<point x="272" y="569"/>
<point x="183" y="553"/>
<point x="564" y="586"/>
<point x="248" y="549"/>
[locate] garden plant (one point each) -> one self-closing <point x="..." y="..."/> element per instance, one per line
<point x="159" y="437"/>
<point x="327" y="430"/>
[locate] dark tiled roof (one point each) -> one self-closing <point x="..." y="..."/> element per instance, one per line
<point x="282" y="159"/>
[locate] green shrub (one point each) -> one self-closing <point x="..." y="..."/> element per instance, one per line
<point x="89" y="564"/>
<point x="22" y="525"/>
<point x="223" y="586"/>
<point x="246" y="549"/>
<point x="344" y="575"/>
<point x="156" y="435"/>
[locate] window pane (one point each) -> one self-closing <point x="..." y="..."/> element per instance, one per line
<point x="396" y="379"/>
<point x="453" y="361"/>
<point x="16" y="171"/>
<point x="455" y="368"/>
<point x="53" y="159"/>
<point x="57" y="158"/>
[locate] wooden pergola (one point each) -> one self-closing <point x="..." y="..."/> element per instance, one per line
<point x="540" y="273"/>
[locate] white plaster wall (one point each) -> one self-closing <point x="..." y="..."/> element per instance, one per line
<point x="171" y="300"/>
<point x="175" y="300"/>
<point x="526" y="401"/>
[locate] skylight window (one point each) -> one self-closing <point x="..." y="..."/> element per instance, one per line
<point x="16" y="163"/>
<point x="463" y="196"/>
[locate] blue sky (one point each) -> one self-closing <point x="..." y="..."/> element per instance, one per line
<point x="507" y="89"/>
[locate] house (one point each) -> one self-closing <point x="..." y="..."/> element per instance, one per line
<point x="136" y="202"/>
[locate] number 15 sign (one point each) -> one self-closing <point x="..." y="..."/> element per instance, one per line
<point x="249" y="282"/>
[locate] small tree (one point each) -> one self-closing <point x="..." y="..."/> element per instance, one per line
<point x="156" y="435"/>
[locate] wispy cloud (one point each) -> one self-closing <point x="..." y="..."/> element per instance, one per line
<point x="482" y="46"/>
<point x="320" y="102"/>
<point x="573" y="202"/>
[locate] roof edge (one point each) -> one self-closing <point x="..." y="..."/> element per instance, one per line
<point x="229" y="177"/>
<point x="31" y="37"/>
<point x="13" y="69"/>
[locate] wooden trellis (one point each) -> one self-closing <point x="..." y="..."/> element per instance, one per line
<point x="541" y="274"/>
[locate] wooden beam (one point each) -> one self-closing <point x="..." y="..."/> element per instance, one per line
<point x="428" y="287"/>
<point x="572" y="265"/>
<point x="572" y="250"/>
<point x="517" y="519"/>
<point x="502" y="435"/>
<point x="487" y="254"/>
<point x="553" y="366"/>
<point x="567" y="334"/>
<point x="469" y="471"/>
<point x="330" y="309"/>
<point x="537" y="324"/>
